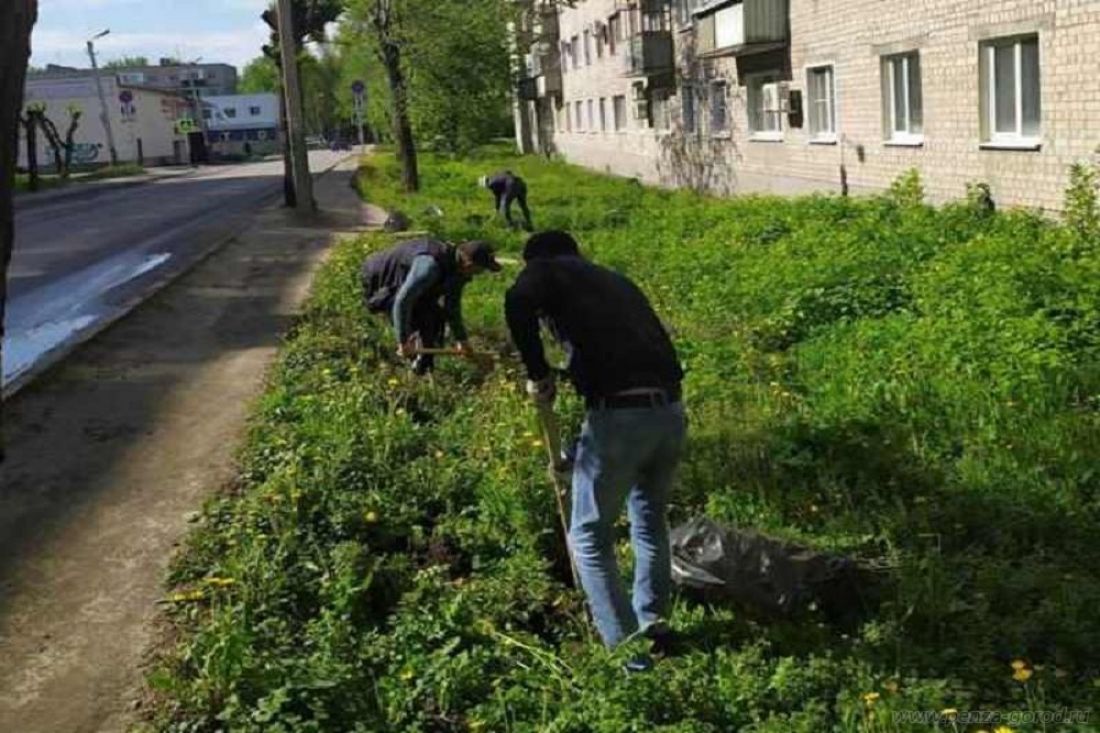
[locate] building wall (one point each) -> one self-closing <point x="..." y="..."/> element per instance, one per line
<point x="852" y="36"/>
<point x="150" y="118"/>
<point x="242" y="123"/>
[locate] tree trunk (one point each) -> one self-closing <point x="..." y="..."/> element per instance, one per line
<point x="70" y="143"/>
<point x="31" y="127"/>
<point x="402" y="128"/>
<point x="17" y="17"/>
<point x="50" y="131"/>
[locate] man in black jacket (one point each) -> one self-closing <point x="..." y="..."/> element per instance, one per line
<point x="419" y="286"/>
<point x="622" y="361"/>
<point x="507" y="187"/>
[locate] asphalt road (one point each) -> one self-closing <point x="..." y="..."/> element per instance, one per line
<point x="80" y="262"/>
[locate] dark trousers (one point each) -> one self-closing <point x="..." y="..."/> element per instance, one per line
<point x="428" y="321"/>
<point x="504" y="206"/>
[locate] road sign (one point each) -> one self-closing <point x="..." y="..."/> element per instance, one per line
<point x="358" y="87"/>
<point x="126" y="96"/>
<point x="185" y="126"/>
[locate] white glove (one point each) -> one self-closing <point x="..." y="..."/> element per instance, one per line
<point x="543" y="391"/>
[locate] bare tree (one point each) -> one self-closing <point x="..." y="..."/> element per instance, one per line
<point x="61" y="146"/>
<point x="384" y="21"/>
<point x="30" y="127"/>
<point x="17" y="18"/>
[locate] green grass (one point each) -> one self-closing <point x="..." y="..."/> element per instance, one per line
<point x="47" y="182"/>
<point x="914" y="386"/>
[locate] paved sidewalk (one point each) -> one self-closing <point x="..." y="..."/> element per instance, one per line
<point x="111" y="453"/>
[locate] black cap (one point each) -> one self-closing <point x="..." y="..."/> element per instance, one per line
<point x="481" y="254"/>
<point x="554" y="243"/>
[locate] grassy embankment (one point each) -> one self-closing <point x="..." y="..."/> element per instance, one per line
<point x="911" y="385"/>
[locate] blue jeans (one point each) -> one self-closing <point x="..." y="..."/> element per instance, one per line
<point x="625" y="455"/>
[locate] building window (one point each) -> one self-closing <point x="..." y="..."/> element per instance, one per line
<point x="254" y="111"/>
<point x="902" y="103"/>
<point x="614" y="29"/>
<point x="603" y="114"/>
<point x="587" y="48"/>
<point x="601" y="33"/>
<point x="591" y="115"/>
<point x="687" y="109"/>
<point x="1011" y="96"/>
<point x="719" y="114"/>
<point x="206" y="114"/>
<point x="765" y="107"/>
<point x="579" y="122"/>
<point x="566" y="122"/>
<point x="821" y="91"/>
<point x="684" y="10"/>
<point x="575" y="53"/>
<point x="662" y="118"/>
<point x="230" y="112"/>
<point x="619" y="103"/>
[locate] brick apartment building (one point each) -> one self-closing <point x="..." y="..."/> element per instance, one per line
<point x="795" y="96"/>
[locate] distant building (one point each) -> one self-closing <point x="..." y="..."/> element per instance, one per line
<point x="144" y="127"/>
<point x="240" y="124"/>
<point x="208" y="79"/>
<point x="793" y="96"/>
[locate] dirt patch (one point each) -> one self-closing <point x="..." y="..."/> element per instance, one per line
<point x="112" y="452"/>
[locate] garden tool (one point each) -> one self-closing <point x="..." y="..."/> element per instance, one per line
<point x="551" y="435"/>
<point x="483" y="359"/>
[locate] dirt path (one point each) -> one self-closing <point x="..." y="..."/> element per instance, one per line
<point x="110" y="454"/>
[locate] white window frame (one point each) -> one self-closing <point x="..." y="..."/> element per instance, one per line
<point x="760" y="79"/>
<point x="823" y="137"/>
<point x="618" y="104"/>
<point x="587" y="47"/>
<point x="591" y="106"/>
<point x="1016" y="139"/>
<point x="575" y="53"/>
<point x="603" y="114"/>
<point x="889" y="71"/>
<point x="578" y="106"/>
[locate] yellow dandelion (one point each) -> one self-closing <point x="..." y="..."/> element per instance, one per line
<point x="528" y="434"/>
<point x="371" y="517"/>
<point x="869" y="698"/>
<point x="393" y="382"/>
<point x="407" y="674"/>
<point x="1022" y="675"/>
<point x="439" y="454"/>
<point x="1003" y="729"/>
<point x="220" y="582"/>
<point x="891" y="686"/>
<point x="1019" y="664"/>
<point x="536" y="443"/>
<point x="949" y="712"/>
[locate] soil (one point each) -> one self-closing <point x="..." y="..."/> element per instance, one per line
<point x="111" y="453"/>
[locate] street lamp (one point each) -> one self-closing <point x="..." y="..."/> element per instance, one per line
<point x="102" y="99"/>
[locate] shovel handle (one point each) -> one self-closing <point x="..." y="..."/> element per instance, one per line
<point x="551" y="435"/>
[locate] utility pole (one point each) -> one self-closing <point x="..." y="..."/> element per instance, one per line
<point x="359" y="89"/>
<point x="296" y="141"/>
<point x="104" y="115"/>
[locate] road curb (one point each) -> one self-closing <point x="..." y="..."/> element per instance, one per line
<point x="56" y="355"/>
<point x="78" y="191"/>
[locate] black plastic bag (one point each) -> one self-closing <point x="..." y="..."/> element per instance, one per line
<point x="772" y="576"/>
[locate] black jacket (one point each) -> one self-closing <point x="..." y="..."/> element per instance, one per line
<point x="384" y="272"/>
<point x="615" y="340"/>
<point x="507" y="184"/>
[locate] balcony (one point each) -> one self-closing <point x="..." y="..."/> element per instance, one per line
<point x="648" y="53"/>
<point x="546" y="68"/>
<point x="528" y="89"/>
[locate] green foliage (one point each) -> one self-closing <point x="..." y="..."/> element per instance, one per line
<point x="1083" y="203"/>
<point x="907" y="189"/>
<point x="259" y="75"/>
<point x="912" y="385"/>
<point x="456" y="57"/>
<point x="124" y="62"/>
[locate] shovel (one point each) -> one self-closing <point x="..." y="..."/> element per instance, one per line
<point x="551" y="435"/>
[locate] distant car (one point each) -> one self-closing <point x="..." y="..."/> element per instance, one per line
<point x="338" y="145"/>
<point x="316" y="142"/>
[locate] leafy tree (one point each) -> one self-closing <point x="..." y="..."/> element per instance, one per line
<point x="126" y="62"/>
<point x="260" y="75"/>
<point x="17" y="18"/>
